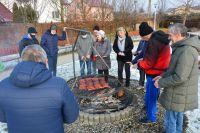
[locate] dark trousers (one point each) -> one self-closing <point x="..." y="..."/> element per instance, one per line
<point x="105" y="73"/>
<point x="120" y="72"/>
<point x="142" y="78"/>
<point x="52" y="62"/>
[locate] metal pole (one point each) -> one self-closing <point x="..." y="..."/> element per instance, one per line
<point x="154" y="26"/>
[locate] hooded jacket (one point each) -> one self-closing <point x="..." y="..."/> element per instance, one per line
<point x="180" y="81"/>
<point x="157" y="56"/>
<point x="127" y="50"/>
<point x="49" y="42"/>
<point x="25" y="42"/>
<point x="33" y="101"/>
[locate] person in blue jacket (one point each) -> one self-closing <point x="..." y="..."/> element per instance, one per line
<point x="139" y="54"/>
<point x="34" y="101"/>
<point x="28" y="39"/>
<point x="49" y="43"/>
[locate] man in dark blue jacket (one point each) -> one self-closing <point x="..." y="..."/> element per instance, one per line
<point x="28" y="39"/>
<point x="139" y="55"/>
<point x="49" y="43"/>
<point x="34" y="101"/>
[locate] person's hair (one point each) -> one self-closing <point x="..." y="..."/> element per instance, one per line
<point x="96" y="27"/>
<point x="121" y="29"/>
<point x="34" y="53"/>
<point x="178" y="28"/>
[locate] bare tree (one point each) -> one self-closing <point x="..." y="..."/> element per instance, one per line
<point x="84" y="9"/>
<point x="149" y="8"/>
<point x="161" y="12"/>
<point x="185" y="7"/>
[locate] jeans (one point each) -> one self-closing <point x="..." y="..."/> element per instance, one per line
<point x="52" y="63"/>
<point x="105" y="73"/>
<point x="120" y="72"/>
<point x="173" y="122"/>
<point x="82" y="66"/>
<point x="142" y="78"/>
<point x="151" y="97"/>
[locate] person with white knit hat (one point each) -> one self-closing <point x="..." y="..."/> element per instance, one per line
<point x="102" y="50"/>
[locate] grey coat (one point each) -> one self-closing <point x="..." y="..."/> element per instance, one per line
<point x="102" y="50"/>
<point x="180" y="81"/>
<point x="84" y="45"/>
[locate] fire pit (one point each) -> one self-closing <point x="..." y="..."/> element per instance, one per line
<point x="101" y="101"/>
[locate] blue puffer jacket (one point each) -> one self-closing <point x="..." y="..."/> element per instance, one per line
<point x="32" y="101"/>
<point x="25" y="42"/>
<point x="49" y="42"/>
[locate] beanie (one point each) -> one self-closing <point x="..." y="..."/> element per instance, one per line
<point x="145" y="29"/>
<point x="32" y="30"/>
<point x="101" y="33"/>
<point x="53" y="27"/>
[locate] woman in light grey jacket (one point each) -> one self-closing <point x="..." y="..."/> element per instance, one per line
<point x="102" y="50"/>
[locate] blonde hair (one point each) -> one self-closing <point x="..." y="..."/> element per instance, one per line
<point x="34" y="53"/>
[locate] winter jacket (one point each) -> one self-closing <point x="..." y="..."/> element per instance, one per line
<point x="157" y="55"/>
<point x="141" y="47"/>
<point x="25" y="42"/>
<point x="33" y="101"/>
<point x="49" y="42"/>
<point x="127" y="51"/>
<point x="102" y="50"/>
<point x="84" y="46"/>
<point x="180" y="81"/>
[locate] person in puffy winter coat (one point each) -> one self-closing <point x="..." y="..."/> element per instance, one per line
<point x="155" y="62"/>
<point x="34" y="101"/>
<point x="28" y="39"/>
<point x="49" y="43"/>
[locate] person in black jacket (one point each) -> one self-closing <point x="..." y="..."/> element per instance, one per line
<point x="123" y="46"/>
<point x="28" y="39"/>
<point x="34" y="101"/>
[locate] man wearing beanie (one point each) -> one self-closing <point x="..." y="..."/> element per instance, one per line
<point x="28" y="39"/>
<point x="154" y="63"/>
<point x="145" y="31"/>
<point x="49" y="43"/>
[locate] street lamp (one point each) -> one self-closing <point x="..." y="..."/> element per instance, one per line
<point x="155" y="13"/>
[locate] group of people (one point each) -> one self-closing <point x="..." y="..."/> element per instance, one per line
<point x="49" y="42"/>
<point x="33" y="99"/>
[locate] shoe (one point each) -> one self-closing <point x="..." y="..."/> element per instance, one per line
<point x="146" y="121"/>
<point x="139" y="87"/>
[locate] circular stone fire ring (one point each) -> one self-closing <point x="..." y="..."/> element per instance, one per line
<point x="129" y="102"/>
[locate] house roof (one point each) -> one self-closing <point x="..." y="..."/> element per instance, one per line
<point x="5" y="14"/>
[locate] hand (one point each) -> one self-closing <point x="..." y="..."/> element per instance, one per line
<point x="140" y="60"/>
<point x="156" y="84"/>
<point x="128" y="62"/>
<point x="88" y="56"/>
<point x="122" y="54"/>
<point x="139" y="51"/>
<point x="83" y="58"/>
<point x="157" y="78"/>
<point x="134" y="66"/>
<point x="134" y="53"/>
<point x="64" y="28"/>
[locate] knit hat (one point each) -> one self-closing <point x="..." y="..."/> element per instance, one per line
<point x="145" y="29"/>
<point x="32" y="30"/>
<point x="53" y="27"/>
<point x="101" y="33"/>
